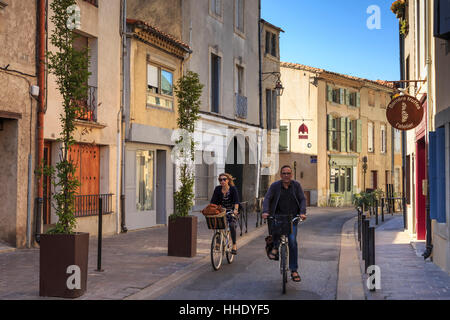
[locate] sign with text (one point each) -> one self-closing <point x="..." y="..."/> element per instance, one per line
<point x="404" y="113"/>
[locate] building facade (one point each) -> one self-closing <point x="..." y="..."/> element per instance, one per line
<point x="223" y="36"/>
<point x="18" y="109"/>
<point x="426" y="65"/>
<point x="329" y="123"/>
<point x="95" y="151"/>
<point x="154" y="64"/>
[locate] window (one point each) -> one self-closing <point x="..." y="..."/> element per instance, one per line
<point x="239" y="16"/>
<point x="371" y="98"/>
<point x="145" y="179"/>
<point x="271" y="109"/>
<point x="240" y="80"/>
<point x="397" y="141"/>
<point x="383" y="138"/>
<point x="215" y="83"/>
<point x="216" y="7"/>
<point x="352" y="101"/>
<point x="352" y="132"/>
<point x="159" y="87"/>
<point x="336" y="96"/>
<point x="271" y="44"/>
<point x="370" y="137"/>
<point x="334" y="133"/>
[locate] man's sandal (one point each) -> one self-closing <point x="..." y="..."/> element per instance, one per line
<point x="295" y="276"/>
<point x="273" y="255"/>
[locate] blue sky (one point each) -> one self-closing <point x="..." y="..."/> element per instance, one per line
<point x="333" y="35"/>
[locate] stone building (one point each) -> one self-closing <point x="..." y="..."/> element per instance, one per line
<point x="223" y="36"/>
<point x="154" y="63"/>
<point x="18" y="109"/>
<point x="97" y="126"/>
<point x="329" y="123"/>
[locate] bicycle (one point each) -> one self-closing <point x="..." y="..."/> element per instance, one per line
<point x="222" y="244"/>
<point x="283" y="248"/>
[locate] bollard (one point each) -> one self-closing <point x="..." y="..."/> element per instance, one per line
<point x="365" y="245"/>
<point x="371" y="252"/>
<point x="382" y="209"/>
<point x="100" y="226"/>
<point x="359" y="227"/>
<point x="363" y="218"/>
<point x="376" y="212"/>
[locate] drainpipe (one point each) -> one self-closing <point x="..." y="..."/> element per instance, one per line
<point x="404" y="146"/>
<point x="429" y="127"/>
<point x="120" y="201"/>
<point x="41" y="109"/>
<point x="259" y="145"/>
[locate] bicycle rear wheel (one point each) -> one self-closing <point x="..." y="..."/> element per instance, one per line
<point x="216" y="251"/>
<point x="229" y="246"/>
<point x="283" y="266"/>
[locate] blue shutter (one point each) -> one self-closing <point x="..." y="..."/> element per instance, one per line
<point x="440" y="175"/>
<point x="432" y="175"/>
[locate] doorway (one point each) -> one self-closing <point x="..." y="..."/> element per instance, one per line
<point x="420" y="197"/>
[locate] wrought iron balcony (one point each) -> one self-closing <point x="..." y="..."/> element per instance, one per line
<point x="88" y="107"/>
<point x="241" y="106"/>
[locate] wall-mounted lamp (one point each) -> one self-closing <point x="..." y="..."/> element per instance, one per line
<point x="279" y="89"/>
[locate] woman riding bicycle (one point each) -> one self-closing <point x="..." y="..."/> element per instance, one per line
<point x="226" y="195"/>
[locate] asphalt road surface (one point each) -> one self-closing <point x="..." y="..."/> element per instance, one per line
<point x="252" y="276"/>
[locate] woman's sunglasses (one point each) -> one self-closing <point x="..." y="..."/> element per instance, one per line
<point x="223" y="179"/>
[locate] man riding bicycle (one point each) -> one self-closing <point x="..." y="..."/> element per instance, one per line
<point x="285" y="197"/>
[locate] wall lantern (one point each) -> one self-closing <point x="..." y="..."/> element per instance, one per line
<point x="279" y="89"/>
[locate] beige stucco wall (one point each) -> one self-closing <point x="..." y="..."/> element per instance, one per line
<point x="96" y="24"/>
<point x="17" y="139"/>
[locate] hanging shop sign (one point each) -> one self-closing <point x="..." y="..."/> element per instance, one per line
<point x="303" y="132"/>
<point x="404" y="113"/>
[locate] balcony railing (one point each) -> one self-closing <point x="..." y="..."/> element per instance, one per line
<point x="88" y="107"/>
<point x="241" y="106"/>
<point x="93" y="2"/>
<point x="86" y="205"/>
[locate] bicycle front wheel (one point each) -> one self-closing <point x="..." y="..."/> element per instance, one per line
<point x="216" y="251"/>
<point x="283" y="266"/>
<point x="228" y="248"/>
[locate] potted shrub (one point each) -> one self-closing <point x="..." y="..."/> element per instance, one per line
<point x="63" y="252"/>
<point x="182" y="240"/>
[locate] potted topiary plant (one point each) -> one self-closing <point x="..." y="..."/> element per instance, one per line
<point x="64" y="252"/>
<point x="182" y="240"/>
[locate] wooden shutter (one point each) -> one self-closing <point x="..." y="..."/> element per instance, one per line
<point x="283" y="138"/>
<point x="341" y="96"/>
<point x="330" y="131"/>
<point x="343" y="134"/>
<point x="274" y="110"/>
<point x="348" y="122"/>
<point x="269" y="109"/>
<point x="347" y="97"/>
<point x="330" y="93"/>
<point x="358" y="136"/>
<point x="358" y="99"/>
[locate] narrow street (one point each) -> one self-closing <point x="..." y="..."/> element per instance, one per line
<point x="253" y="276"/>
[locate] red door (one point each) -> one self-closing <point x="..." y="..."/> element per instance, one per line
<point x="420" y="197"/>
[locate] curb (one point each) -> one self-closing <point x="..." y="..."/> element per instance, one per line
<point x="350" y="281"/>
<point x="160" y="287"/>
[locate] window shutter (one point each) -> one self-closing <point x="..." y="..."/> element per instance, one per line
<point x="269" y="109"/>
<point x="274" y="110"/>
<point x="440" y="168"/>
<point x="358" y="99"/>
<point x="433" y="176"/>
<point x="329" y="93"/>
<point x="348" y="121"/>
<point x="330" y="131"/>
<point x="358" y="136"/>
<point x="341" y="96"/>
<point x="283" y="138"/>
<point x="343" y="134"/>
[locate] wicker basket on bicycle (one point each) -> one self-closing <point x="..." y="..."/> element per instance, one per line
<point x="216" y="217"/>
<point x="281" y="225"/>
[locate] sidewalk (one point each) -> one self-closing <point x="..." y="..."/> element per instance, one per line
<point x="132" y="262"/>
<point x="404" y="273"/>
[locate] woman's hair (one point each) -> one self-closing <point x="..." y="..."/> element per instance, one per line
<point x="229" y="177"/>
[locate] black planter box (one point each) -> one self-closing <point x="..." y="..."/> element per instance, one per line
<point x="58" y="254"/>
<point x="183" y="237"/>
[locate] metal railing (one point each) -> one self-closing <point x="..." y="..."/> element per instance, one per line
<point x="241" y="106"/>
<point x="243" y="216"/>
<point x="88" y="107"/>
<point x="88" y="205"/>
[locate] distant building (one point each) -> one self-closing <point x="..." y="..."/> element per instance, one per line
<point x="329" y="122"/>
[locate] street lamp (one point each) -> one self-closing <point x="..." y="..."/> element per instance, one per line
<point x="364" y="167"/>
<point x="279" y="89"/>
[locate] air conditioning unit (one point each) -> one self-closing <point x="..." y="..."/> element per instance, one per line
<point x="442" y="19"/>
